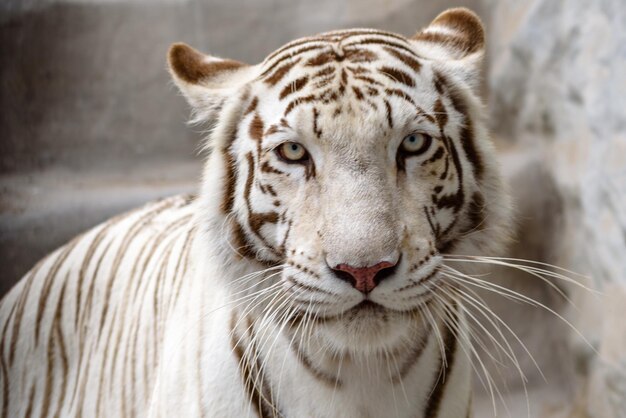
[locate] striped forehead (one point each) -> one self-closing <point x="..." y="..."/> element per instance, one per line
<point x="356" y="52"/>
<point x="339" y="39"/>
<point x="344" y="71"/>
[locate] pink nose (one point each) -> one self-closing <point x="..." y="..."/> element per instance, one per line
<point x="364" y="279"/>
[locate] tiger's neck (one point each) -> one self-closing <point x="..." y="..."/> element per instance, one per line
<point x="246" y="365"/>
<point x="286" y="373"/>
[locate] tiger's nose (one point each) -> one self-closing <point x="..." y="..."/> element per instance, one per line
<point x="365" y="279"/>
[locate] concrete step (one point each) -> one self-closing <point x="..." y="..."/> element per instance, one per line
<point x="41" y="211"/>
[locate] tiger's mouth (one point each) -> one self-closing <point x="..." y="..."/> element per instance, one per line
<point x="366" y="310"/>
<point x="368" y="306"/>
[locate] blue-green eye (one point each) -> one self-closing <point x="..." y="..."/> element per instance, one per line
<point x="415" y="144"/>
<point x="292" y="152"/>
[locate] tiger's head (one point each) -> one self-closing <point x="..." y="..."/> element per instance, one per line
<point x="348" y="164"/>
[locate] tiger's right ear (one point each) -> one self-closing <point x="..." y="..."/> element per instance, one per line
<point x="455" y="38"/>
<point x="205" y="81"/>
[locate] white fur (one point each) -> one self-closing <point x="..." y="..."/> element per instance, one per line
<point x="118" y="358"/>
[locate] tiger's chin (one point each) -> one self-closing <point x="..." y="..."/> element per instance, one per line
<point x="369" y="328"/>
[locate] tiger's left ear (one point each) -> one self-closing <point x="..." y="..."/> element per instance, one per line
<point x="206" y="81"/>
<point x="457" y="38"/>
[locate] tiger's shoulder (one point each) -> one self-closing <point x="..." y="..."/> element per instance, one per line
<point x="109" y="247"/>
<point x="127" y="243"/>
<point x="82" y="297"/>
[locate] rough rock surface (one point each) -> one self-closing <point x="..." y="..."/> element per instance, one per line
<point x="557" y="84"/>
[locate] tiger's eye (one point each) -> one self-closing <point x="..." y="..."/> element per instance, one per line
<point x="415" y="144"/>
<point x="292" y="152"/>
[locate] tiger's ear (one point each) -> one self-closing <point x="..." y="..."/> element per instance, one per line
<point x="205" y="81"/>
<point x="456" y="37"/>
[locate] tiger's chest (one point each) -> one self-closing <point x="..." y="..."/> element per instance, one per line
<point x="229" y="366"/>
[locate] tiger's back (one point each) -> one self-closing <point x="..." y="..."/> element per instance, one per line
<point x="81" y="333"/>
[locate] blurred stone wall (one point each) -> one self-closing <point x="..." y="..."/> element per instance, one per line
<point x="557" y="86"/>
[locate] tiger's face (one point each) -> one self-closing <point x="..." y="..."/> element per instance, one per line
<point x="349" y="163"/>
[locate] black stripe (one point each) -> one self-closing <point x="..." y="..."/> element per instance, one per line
<point x="378" y="41"/>
<point x="280" y="72"/>
<point x="294" y="44"/>
<point x="3" y="366"/>
<point x="411" y="62"/>
<point x="21" y="305"/>
<point x="293" y="87"/>
<point x="397" y="75"/>
<point x="356" y="32"/>
<point x="250" y="371"/>
<point x="446" y="365"/>
<point x="91" y="251"/>
<point x="58" y="332"/>
<point x="135" y="229"/>
<point x="467" y="133"/>
<point x="413" y="357"/>
<point x="330" y="380"/>
<point x="47" y="286"/>
<point x="401" y="94"/>
<point x="328" y="38"/>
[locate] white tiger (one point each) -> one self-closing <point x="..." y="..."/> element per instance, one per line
<point x="307" y="279"/>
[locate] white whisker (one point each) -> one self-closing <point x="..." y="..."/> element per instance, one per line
<point x="514" y="296"/>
